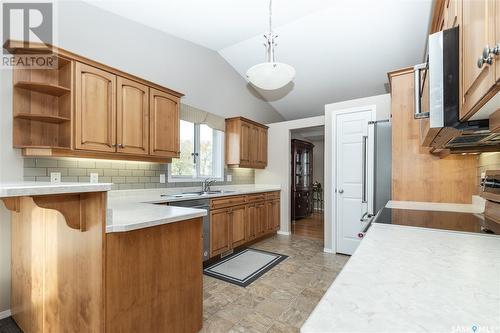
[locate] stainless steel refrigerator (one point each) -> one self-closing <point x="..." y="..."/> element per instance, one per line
<point x="377" y="168"/>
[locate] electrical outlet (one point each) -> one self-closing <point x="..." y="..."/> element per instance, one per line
<point x="55" y="177"/>
<point x="229" y="178"/>
<point x="94" y="177"/>
<point x="162" y="178"/>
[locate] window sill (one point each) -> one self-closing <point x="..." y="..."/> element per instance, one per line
<point x="192" y="180"/>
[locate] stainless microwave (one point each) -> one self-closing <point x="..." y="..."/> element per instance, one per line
<point x="437" y="95"/>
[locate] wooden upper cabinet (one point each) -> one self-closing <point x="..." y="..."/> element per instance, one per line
<point x="253" y="141"/>
<point x="132" y="117"/>
<point x="451" y="14"/>
<point x="95" y="109"/>
<point x="478" y="31"/>
<point x="497" y="38"/>
<point x="246" y="143"/>
<point x="238" y="225"/>
<point x="262" y="147"/>
<point x="164" y="124"/>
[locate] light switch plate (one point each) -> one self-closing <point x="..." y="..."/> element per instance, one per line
<point x="229" y="178"/>
<point x="162" y="178"/>
<point x="94" y="177"/>
<point x="55" y="177"/>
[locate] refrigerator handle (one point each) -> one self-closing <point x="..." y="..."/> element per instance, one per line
<point x="363" y="194"/>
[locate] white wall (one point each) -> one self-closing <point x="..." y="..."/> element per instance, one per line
<point x="319" y="162"/>
<point x="383" y="111"/>
<point x="206" y="79"/>
<point x="278" y="161"/>
<point x="11" y="168"/>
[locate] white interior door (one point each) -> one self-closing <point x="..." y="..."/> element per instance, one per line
<point x="351" y="172"/>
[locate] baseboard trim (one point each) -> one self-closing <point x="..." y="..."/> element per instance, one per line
<point x="327" y="250"/>
<point x="284" y="233"/>
<point x="5" y="314"/>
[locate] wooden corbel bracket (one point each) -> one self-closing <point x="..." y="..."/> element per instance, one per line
<point x="70" y="206"/>
<point x="12" y="204"/>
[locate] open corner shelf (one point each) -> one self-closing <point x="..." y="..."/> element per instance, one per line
<point x="45" y="88"/>
<point x="42" y="117"/>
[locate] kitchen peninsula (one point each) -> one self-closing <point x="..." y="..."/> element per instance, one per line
<point x="68" y="274"/>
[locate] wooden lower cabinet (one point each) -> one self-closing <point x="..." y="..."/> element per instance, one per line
<point x="74" y="277"/>
<point x="273" y="215"/>
<point x="242" y="219"/>
<point x="219" y="231"/>
<point x="154" y="279"/>
<point x="251" y="222"/>
<point x="261" y="218"/>
<point x="237" y="222"/>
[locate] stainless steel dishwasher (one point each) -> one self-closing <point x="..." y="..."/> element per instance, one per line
<point x="201" y="204"/>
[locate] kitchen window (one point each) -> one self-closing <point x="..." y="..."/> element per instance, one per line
<point x="201" y="156"/>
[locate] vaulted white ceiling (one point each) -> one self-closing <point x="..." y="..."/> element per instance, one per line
<point x="341" y="49"/>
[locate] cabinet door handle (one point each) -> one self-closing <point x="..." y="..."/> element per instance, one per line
<point x="488" y="55"/>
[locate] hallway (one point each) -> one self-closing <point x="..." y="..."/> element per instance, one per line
<point x="310" y="227"/>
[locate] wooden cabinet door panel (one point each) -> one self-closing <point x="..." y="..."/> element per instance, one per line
<point x="95" y="111"/>
<point x="478" y="26"/>
<point x="219" y="232"/>
<point x="262" y="147"/>
<point x="245" y="144"/>
<point x="164" y="124"/>
<point x="132" y="117"/>
<point x="261" y="218"/>
<point x="238" y="225"/>
<point x="254" y="145"/>
<point x="252" y="221"/>
<point x="269" y="216"/>
<point x="276" y="215"/>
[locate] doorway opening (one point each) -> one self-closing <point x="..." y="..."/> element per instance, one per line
<point x="307" y="160"/>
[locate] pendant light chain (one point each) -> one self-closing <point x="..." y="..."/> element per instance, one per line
<point x="271" y="16"/>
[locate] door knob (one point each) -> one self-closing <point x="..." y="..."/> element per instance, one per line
<point x="341" y="191"/>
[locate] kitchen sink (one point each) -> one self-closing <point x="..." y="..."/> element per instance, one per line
<point x="196" y="194"/>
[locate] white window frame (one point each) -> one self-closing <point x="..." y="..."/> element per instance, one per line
<point x="218" y="163"/>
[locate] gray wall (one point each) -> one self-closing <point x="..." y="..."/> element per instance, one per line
<point x="206" y="79"/>
<point x="208" y="82"/>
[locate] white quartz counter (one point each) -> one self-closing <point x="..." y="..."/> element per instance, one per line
<point x="19" y="189"/>
<point x="407" y="279"/>
<point x="477" y="205"/>
<point x="136" y="209"/>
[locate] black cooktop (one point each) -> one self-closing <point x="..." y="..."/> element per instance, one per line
<point x="468" y="222"/>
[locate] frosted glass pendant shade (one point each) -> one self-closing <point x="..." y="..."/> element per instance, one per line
<point x="270" y="75"/>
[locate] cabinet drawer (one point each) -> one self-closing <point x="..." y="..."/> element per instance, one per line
<point x="227" y="202"/>
<point x="256" y="197"/>
<point x="272" y="195"/>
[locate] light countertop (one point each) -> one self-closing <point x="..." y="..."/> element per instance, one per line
<point x="477" y="205"/>
<point x="136" y="209"/>
<point x="22" y="188"/>
<point x="408" y="279"/>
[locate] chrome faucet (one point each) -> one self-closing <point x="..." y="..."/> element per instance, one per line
<point x="205" y="185"/>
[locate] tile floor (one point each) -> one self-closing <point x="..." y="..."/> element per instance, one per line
<point x="280" y="300"/>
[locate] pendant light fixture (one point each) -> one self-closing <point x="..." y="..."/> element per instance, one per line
<point x="270" y="75"/>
